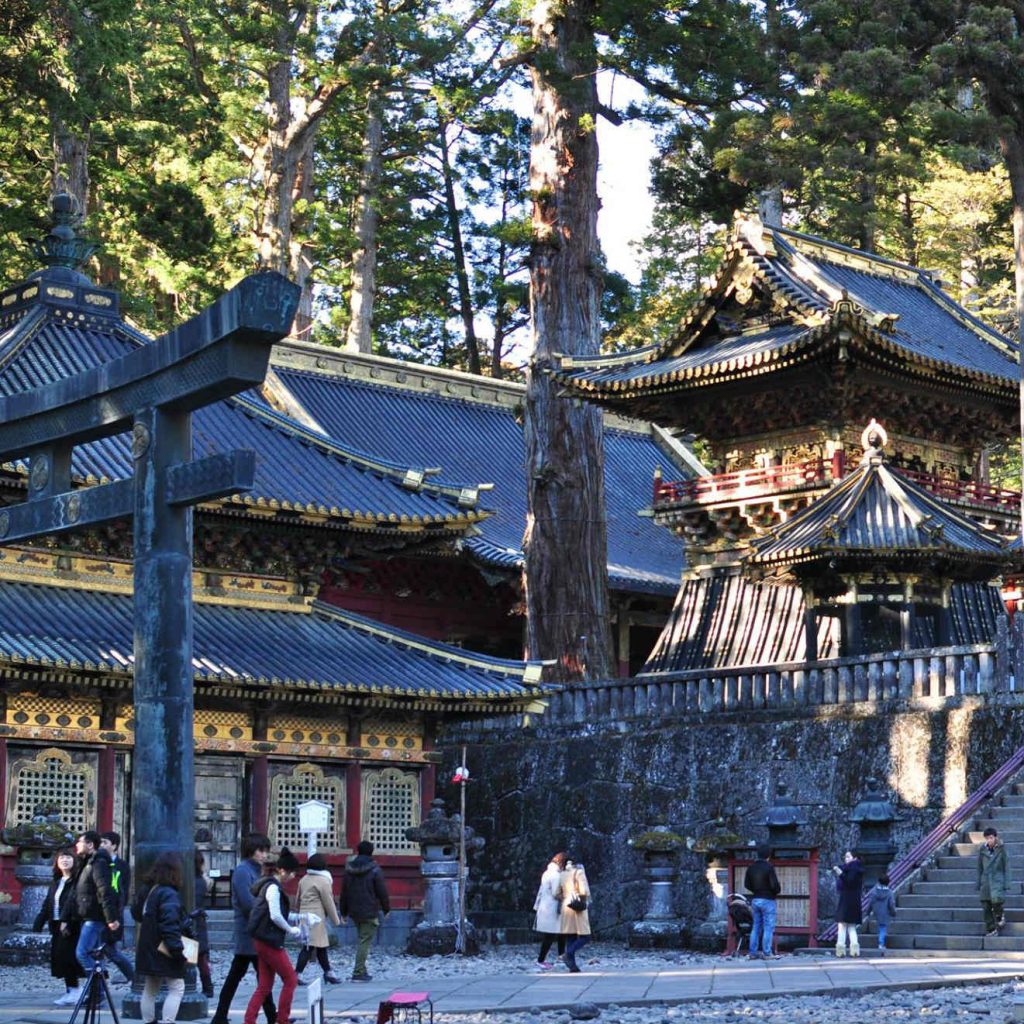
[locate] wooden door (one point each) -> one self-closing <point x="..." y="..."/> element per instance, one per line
<point x="219" y="787"/>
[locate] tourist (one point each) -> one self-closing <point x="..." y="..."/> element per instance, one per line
<point x="95" y="904"/>
<point x="993" y="879"/>
<point x="575" y="913"/>
<point x="160" y="954"/>
<point x="200" y="926"/>
<point x="316" y="896"/>
<point x="762" y="883"/>
<point x="121" y="883"/>
<point x="270" y="923"/>
<point x="63" y="962"/>
<point x="883" y="906"/>
<point x="364" y="897"/>
<point x="255" y="848"/>
<point x="548" y="906"/>
<point x="850" y="885"/>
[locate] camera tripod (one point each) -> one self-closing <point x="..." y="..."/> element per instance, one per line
<point x="89" y="1004"/>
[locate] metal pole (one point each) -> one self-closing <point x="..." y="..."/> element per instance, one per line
<point x="461" y="945"/>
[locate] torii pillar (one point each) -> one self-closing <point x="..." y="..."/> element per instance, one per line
<point x="151" y="391"/>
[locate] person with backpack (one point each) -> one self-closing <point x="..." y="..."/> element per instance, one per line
<point x="121" y="883"/>
<point x="160" y="954"/>
<point x="270" y="923"/>
<point x="364" y="897"/>
<point x="883" y="906"/>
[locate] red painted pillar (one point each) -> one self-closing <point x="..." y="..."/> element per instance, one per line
<point x="260" y="793"/>
<point x="3" y="778"/>
<point x="354" y="790"/>
<point x="105" y="790"/>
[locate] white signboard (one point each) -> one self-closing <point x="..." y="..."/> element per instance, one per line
<point x="315" y="1002"/>
<point x="314" y="816"/>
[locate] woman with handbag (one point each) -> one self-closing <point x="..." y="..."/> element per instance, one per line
<point x="160" y="957"/>
<point x="63" y="962"/>
<point x="316" y="896"/>
<point x="575" y="919"/>
<point x="548" y="906"/>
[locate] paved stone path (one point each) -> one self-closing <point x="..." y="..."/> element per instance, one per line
<point x="665" y="984"/>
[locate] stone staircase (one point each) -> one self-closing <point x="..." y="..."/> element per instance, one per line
<point x="940" y="909"/>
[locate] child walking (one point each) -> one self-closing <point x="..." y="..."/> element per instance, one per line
<point x="883" y="906"/>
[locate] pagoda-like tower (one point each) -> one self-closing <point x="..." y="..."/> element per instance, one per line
<point x="796" y="345"/>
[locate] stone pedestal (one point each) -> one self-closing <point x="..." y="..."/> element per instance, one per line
<point x="875" y="817"/>
<point x="660" y="928"/>
<point x="438" y="837"/>
<point x="34" y="872"/>
<point x="711" y="934"/>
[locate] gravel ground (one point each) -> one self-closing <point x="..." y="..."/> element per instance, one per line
<point x="984" y="1004"/>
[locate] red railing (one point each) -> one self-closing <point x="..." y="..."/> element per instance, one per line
<point x="723" y="486"/>
<point x="965" y="490"/>
<point x="744" y="483"/>
<point x="905" y="867"/>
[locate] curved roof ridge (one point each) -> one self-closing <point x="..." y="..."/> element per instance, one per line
<point x="333" y="446"/>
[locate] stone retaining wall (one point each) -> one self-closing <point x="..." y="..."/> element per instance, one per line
<point x="587" y="789"/>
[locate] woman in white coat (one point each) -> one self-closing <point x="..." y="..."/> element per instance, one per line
<point x="548" y="905"/>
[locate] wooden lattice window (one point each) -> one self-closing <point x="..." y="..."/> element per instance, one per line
<point x="391" y="804"/>
<point x="287" y="792"/>
<point x="53" y="779"/>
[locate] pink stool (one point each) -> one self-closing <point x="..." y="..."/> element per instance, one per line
<point x="400" y="1007"/>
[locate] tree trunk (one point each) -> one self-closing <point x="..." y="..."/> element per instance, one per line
<point x="458" y="253"/>
<point x="71" y="163"/>
<point x="364" y="263"/>
<point x="1012" y="146"/>
<point x="302" y="250"/>
<point x="566" y="574"/>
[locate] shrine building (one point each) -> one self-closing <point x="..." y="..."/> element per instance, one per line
<point x="362" y="595"/>
<point x="822" y="533"/>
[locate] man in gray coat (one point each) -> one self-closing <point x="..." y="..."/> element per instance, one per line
<point x="993" y="879"/>
<point x="255" y="848"/>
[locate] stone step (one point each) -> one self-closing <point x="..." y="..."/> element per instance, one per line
<point x="901" y="926"/>
<point x="930" y="888"/>
<point x="975" y="913"/>
<point x="924" y="901"/>
<point x="957" y="943"/>
<point x="999" y="818"/>
<point x="1013" y="800"/>
<point x="972" y="850"/>
<point x="952" y="868"/>
<point x="978" y="836"/>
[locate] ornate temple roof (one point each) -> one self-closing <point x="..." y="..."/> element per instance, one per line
<point x="781" y="301"/>
<point x="877" y="514"/>
<point x="50" y="331"/>
<point x="470" y="428"/>
<point x="315" y="646"/>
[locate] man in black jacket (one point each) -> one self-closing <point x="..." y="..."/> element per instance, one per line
<point x="95" y="902"/>
<point x="762" y="882"/>
<point x="121" y="883"/>
<point x="364" y="896"/>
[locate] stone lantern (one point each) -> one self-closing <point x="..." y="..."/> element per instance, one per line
<point x="875" y="816"/>
<point x="783" y="819"/>
<point x="37" y="842"/>
<point x="660" y="928"/>
<point x="438" y="836"/>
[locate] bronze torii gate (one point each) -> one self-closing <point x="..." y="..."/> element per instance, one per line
<point x="152" y="392"/>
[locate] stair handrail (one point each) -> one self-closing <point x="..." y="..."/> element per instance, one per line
<point x="950" y="825"/>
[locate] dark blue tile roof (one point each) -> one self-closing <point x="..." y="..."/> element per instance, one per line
<point x="907" y="310"/>
<point x="873" y="511"/>
<point x="473" y="442"/>
<point x="323" y="648"/>
<point x="296" y="468"/>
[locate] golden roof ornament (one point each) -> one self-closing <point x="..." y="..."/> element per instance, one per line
<point x="62" y="246"/>
<point x="873" y="440"/>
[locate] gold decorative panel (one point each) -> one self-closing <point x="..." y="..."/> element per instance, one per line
<point x="226" y="725"/>
<point x="391" y="734"/>
<point x="52" y="779"/>
<point x="124" y="720"/>
<point x="391" y="804"/>
<point x="59" y="712"/>
<point x="307" y="729"/>
<point x="287" y="792"/>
